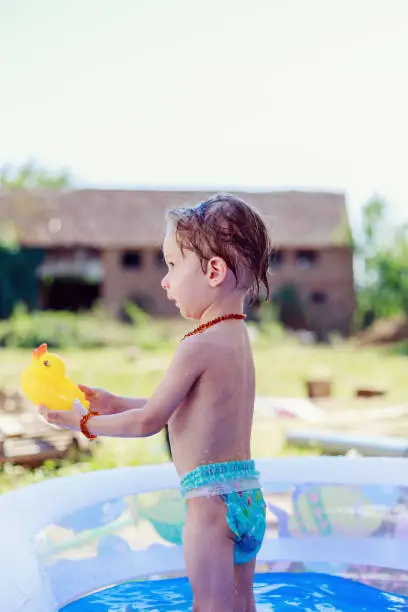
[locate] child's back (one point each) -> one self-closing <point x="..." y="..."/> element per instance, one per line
<point x="213" y="424"/>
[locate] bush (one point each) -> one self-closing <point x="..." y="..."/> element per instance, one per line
<point x="62" y="330"/>
<point x="290" y="307"/>
<point x="268" y="324"/>
<point x="149" y="335"/>
<point x="400" y="349"/>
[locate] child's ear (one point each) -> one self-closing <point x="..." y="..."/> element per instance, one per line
<point x="216" y="271"/>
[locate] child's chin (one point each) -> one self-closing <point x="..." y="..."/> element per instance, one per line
<point x="186" y="314"/>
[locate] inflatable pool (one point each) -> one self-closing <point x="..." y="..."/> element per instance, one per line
<point x="337" y="536"/>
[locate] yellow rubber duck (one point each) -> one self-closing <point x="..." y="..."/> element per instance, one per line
<point x="45" y="382"/>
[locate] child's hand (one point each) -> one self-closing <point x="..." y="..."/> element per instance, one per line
<point x="66" y="419"/>
<point x="99" y="400"/>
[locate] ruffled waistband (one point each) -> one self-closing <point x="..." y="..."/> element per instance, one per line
<point x="218" y="478"/>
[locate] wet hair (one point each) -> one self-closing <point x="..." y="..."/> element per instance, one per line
<point x="226" y="226"/>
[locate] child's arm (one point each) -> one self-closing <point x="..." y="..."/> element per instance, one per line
<point x="186" y="367"/>
<point x="105" y="402"/>
<point x="124" y="404"/>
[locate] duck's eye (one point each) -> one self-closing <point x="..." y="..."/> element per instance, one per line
<point x="46" y="363"/>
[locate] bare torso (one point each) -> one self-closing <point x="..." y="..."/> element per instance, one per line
<point x="214" y="422"/>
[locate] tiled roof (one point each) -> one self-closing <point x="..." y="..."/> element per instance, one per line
<point x="135" y="219"/>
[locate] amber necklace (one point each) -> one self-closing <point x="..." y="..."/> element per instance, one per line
<point x="205" y="326"/>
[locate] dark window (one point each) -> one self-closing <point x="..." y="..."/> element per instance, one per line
<point x="318" y="297"/>
<point x="306" y="258"/>
<point x="132" y="259"/>
<point x="276" y="259"/>
<point x="160" y="259"/>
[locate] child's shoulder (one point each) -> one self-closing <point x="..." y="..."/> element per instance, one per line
<point x="196" y="344"/>
<point x="193" y="354"/>
<point x="209" y="343"/>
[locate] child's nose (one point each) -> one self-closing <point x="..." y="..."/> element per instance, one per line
<point x="165" y="283"/>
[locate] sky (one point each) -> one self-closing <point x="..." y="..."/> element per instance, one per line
<point x="219" y="94"/>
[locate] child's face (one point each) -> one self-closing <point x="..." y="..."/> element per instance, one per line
<point x="185" y="281"/>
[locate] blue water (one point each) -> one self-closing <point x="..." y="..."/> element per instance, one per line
<point x="273" y="592"/>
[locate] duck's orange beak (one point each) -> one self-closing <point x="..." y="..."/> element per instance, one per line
<point x="39" y="352"/>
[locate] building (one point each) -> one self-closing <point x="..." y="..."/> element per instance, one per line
<point x="105" y="245"/>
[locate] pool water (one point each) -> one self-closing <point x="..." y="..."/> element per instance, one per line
<point x="277" y="592"/>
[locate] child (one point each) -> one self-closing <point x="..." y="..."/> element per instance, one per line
<point x="217" y="253"/>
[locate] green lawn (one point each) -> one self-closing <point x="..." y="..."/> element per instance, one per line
<point x="283" y="365"/>
<point x="282" y="369"/>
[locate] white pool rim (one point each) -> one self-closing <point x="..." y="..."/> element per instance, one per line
<point x="26" y="587"/>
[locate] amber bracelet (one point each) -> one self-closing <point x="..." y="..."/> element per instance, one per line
<point x="83" y="424"/>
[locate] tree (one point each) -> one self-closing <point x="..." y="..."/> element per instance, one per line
<point x="383" y="253"/>
<point x="19" y="265"/>
<point x="32" y="175"/>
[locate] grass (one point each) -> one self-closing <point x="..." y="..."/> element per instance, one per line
<point x="282" y="369"/>
<point x="283" y="365"/>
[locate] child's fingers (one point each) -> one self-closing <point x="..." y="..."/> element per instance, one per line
<point x="67" y="419"/>
<point x="43" y="410"/>
<point x="78" y="408"/>
<point x="88" y="391"/>
<point x="51" y="416"/>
